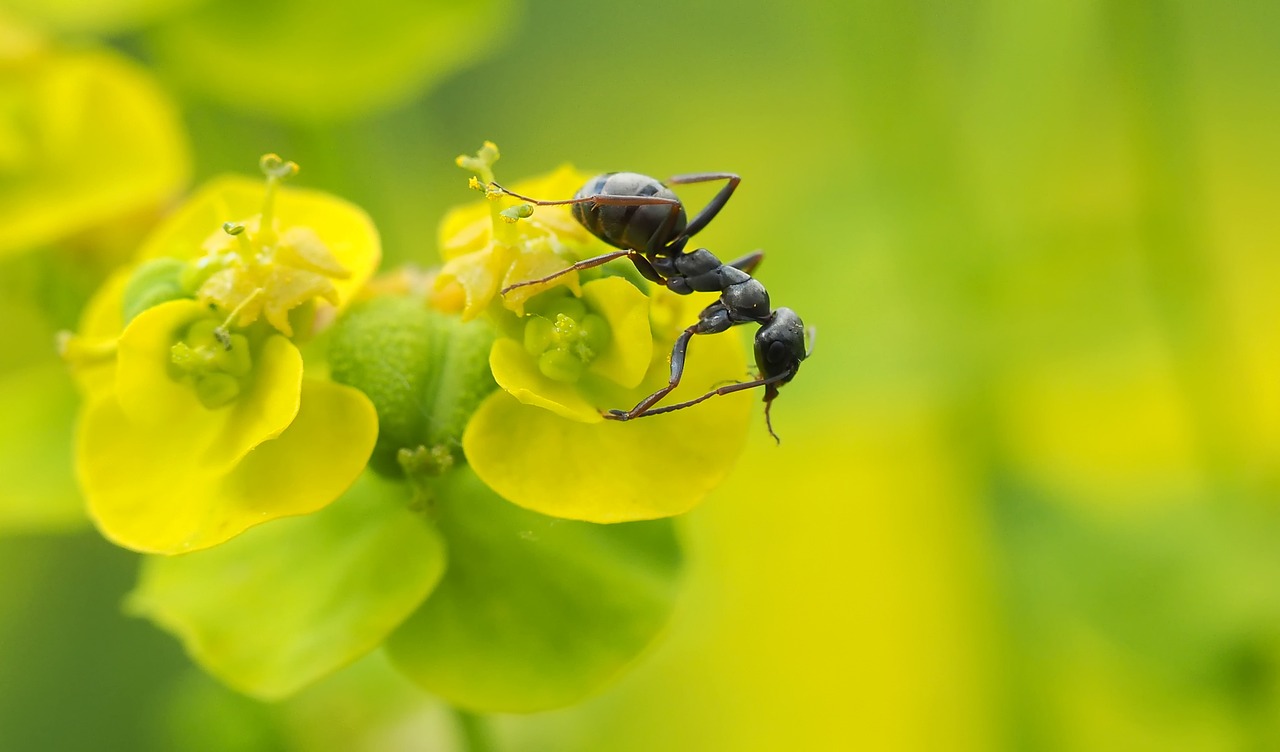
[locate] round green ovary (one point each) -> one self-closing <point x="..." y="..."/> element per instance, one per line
<point x="565" y="338"/>
<point x="215" y="362"/>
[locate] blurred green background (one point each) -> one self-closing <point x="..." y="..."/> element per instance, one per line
<point x="1026" y="497"/>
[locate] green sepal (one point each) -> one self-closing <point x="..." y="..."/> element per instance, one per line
<point x="291" y="601"/>
<point x="534" y="612"/>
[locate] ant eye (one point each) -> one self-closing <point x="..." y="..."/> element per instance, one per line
<point x="778" y="352"/>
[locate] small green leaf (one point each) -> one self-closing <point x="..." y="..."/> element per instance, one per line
<point x="287" y="603"/>
<point x="534" y="612"/>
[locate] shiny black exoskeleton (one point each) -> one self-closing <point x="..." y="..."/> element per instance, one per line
<point x="645" y="220"/>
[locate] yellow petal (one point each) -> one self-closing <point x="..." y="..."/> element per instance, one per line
<point x="234" y="289"/>
<point x="146" y="391"/>
<point x="538" y="258"/>
<point x="518" y="374"/>
<point x="156" y="495"/>
<point x="301" y="248"/>
<point x="617" y="472"/>
<point x="321" y="453"/>
<point x="476" y="274"/>
<point x="170" y="409"/>
<point x="289" y="288"/>
<point x="630" y="349"/>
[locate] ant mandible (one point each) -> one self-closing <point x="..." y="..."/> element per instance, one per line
<point x="643" y="218"/>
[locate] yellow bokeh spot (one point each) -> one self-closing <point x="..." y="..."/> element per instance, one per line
<point x="86" y="139"/>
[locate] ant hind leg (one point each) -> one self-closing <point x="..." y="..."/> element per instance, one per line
<point x="713" y="206"/>
<point x="749" y="262"/>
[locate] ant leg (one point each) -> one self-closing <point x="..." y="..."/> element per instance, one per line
<point x="658" y="240"/>
<point x="645" y="267"/>
<point x="642" y="265"/>
<point x="713" y="320"/>
<point x="538" y="201"/>
<point x="590" y="263"/>
<point x="749" y="262"/>
<point x="713" y="206"/>
<point x="729" y="389"/>
<point x="677" y="370"/>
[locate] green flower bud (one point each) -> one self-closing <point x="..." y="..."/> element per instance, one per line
<point x="234" y="360"/>
<point x="217" y="389"/>
<point x="538" y="335"/>
<point x="154" y="282"/>
<point x="215" y="362"/>
<point x="553" y="306"/>
<point x="561" y="365"/>
<point x="424" y="371"/>
<point x="202" y="332"/>
<point x="517" y="212"/>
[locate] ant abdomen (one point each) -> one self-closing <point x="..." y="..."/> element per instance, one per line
<point x="642" y="227"/>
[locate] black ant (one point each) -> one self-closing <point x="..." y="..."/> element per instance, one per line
<point x="644" y="218"/>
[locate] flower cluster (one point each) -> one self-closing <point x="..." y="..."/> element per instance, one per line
<point x="413" y="461"/>
<point x="315" y="462"/>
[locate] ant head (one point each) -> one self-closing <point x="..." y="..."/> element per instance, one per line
<point x="780" y="346"/>
<point x="779" y="350"/>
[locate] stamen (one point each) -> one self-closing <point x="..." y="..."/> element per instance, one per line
<point x="223" y="333"/>
<point x="276" y="170"/>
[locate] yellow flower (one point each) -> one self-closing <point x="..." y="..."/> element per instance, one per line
<point x="568" y="352"/>
<point x="199" y="423"/>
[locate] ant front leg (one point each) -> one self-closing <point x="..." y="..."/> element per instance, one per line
<point x="642" y="265"/>
<point x="537" y="201"/>
<point x="718" y="392"/>
<point x="713" y="320"/>
<point x="713" y="206"/>
<point x="590" y="263"/>
<point x="677" y="370"/>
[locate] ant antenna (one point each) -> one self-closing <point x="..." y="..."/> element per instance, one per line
<point x="770" y="393"/>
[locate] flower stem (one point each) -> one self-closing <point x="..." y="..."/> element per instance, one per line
<point x="473" y="732"/>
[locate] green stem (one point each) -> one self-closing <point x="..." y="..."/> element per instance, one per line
<point x="473" y="732"/>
